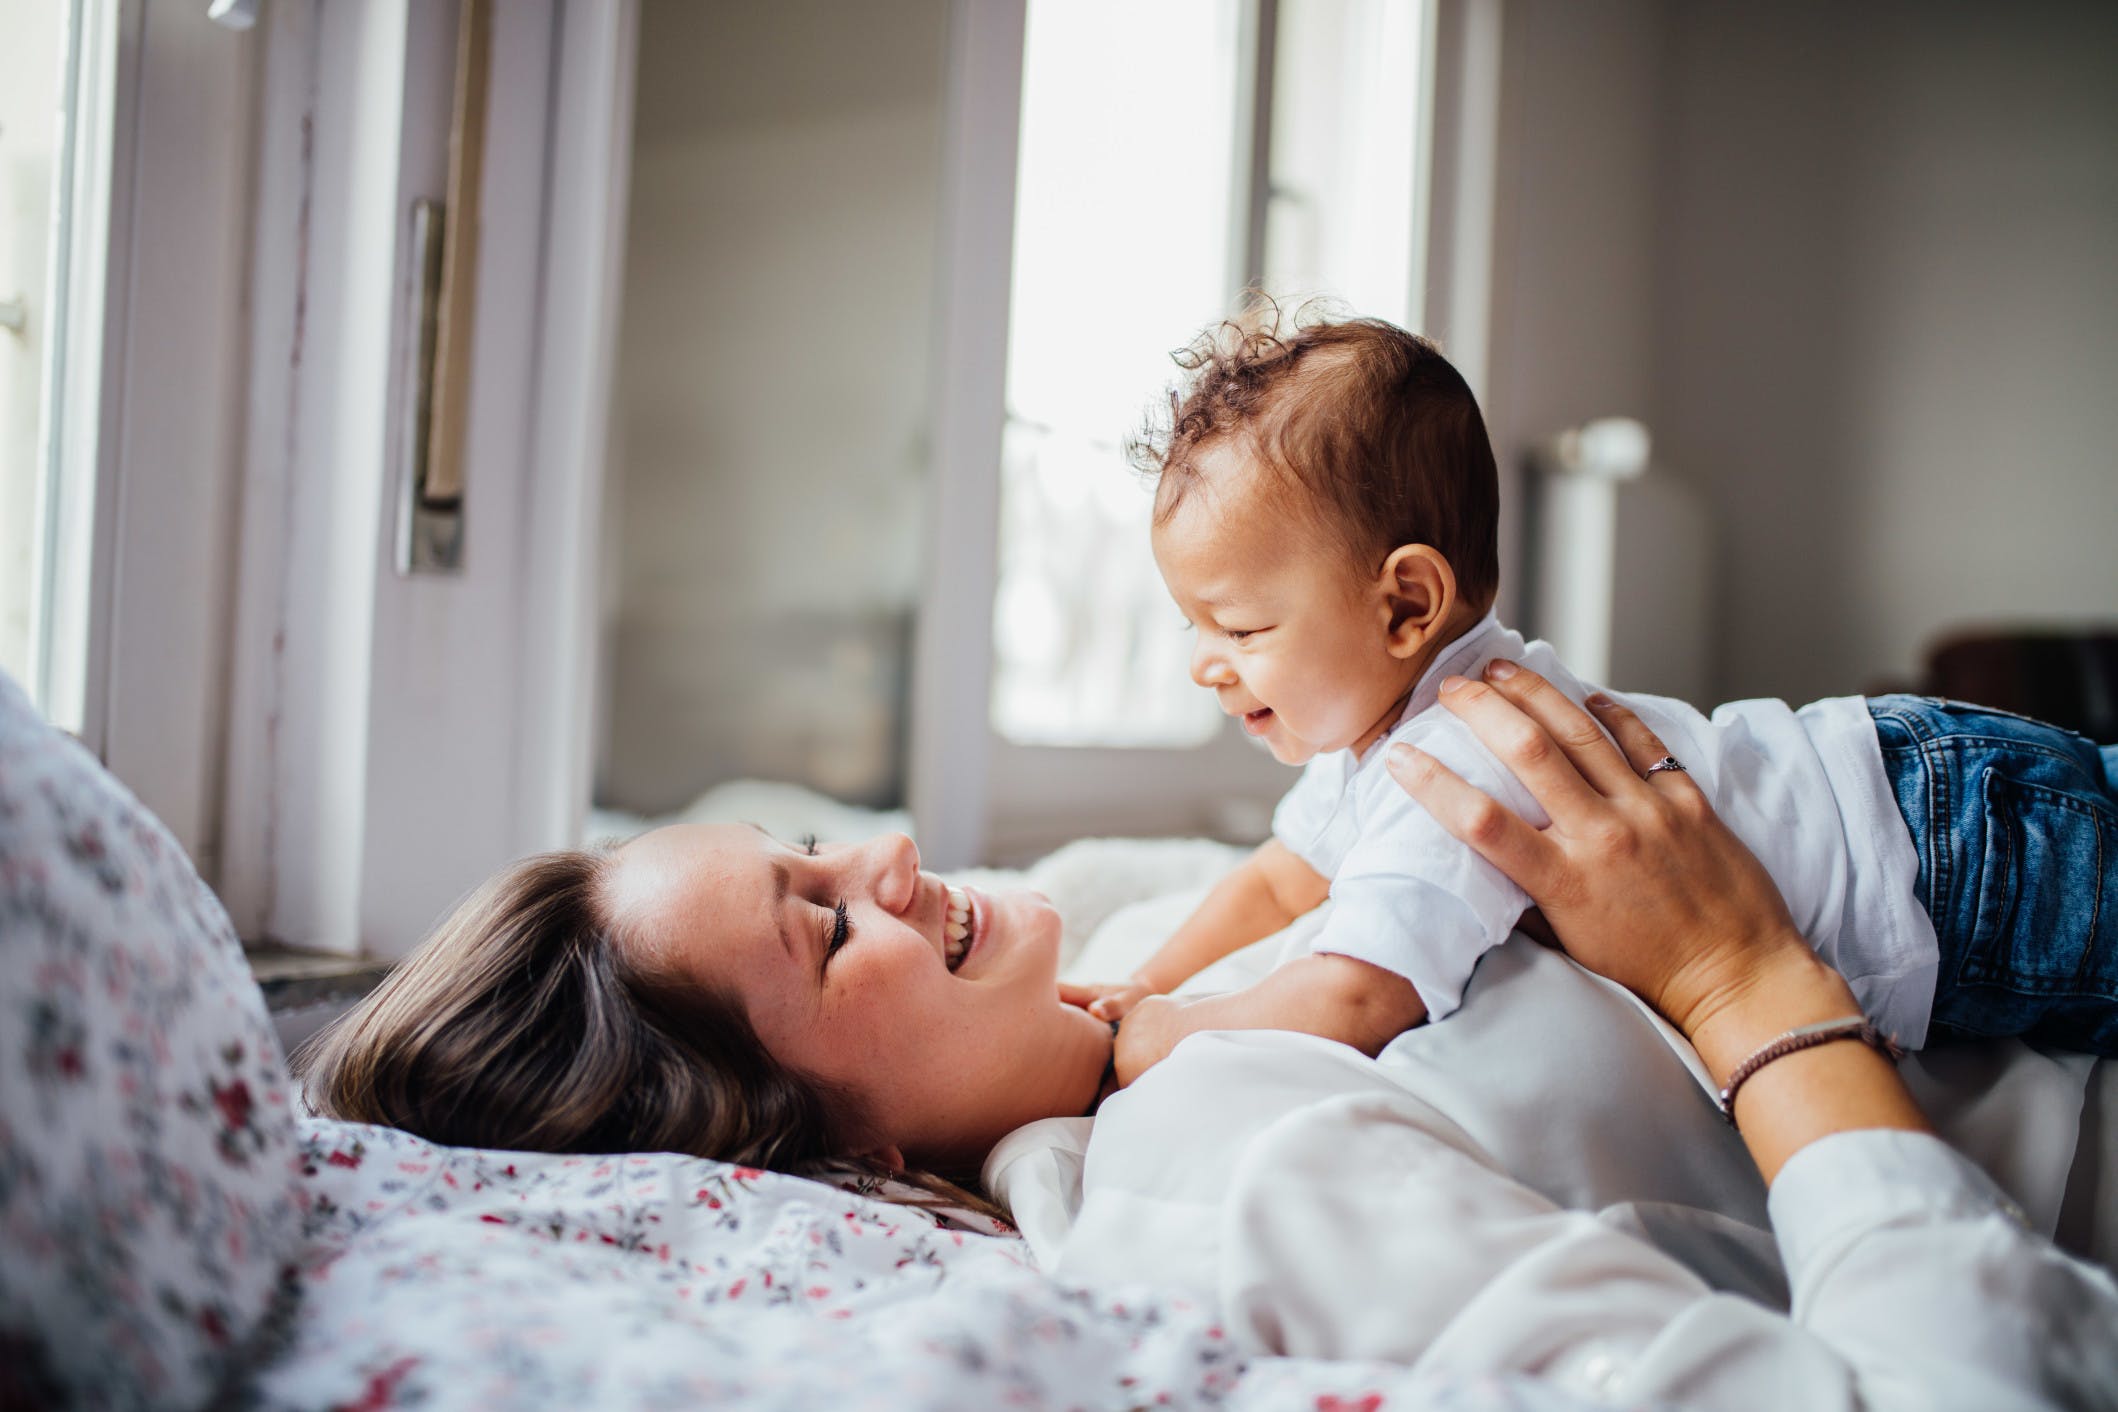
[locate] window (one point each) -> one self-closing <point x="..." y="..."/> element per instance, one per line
<point x="55" y="92"/>
<point x="1148" y="197"/>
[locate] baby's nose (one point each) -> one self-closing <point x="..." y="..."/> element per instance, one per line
<point x="1209" y="667"/>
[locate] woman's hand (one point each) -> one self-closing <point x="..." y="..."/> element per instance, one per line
<point x="1643" y="883"/>
<point x="1637" y="877"/>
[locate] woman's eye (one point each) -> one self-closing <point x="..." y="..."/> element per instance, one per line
<point x="841" y="931"/>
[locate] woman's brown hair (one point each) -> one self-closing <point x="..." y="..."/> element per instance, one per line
<point x="522" y="1024"/>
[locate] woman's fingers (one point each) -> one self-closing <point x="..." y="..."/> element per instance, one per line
<point x="1641" y="745"/>
<point x="1572" y="729"/>
<point x="1488" y="826"/>
<point x="1522" y="743"/>
<point x="1644" y="748"/>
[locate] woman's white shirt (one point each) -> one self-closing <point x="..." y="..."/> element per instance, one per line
<point x="1531" y="1191"/>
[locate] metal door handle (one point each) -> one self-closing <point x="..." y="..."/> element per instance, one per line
<point x="445" y="255"/>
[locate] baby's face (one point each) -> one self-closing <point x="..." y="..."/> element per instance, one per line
<point x="1291" y="637"/>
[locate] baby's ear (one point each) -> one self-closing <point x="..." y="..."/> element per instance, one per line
<point x="1419" y="595"/>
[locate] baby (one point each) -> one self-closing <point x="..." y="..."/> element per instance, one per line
<point x="1325" y="516"/>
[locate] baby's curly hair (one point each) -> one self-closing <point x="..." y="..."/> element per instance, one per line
<point x="1372" y="431"/>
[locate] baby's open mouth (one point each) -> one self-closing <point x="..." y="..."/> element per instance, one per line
<point x="1256" y="721"/>
<point x="956" y="931"/>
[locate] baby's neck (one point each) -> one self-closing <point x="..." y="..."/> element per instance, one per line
<point x="1460" y="621"/>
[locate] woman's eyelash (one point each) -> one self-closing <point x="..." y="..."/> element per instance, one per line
<point x="841" y="931"/>
<point x="807" y="843"/>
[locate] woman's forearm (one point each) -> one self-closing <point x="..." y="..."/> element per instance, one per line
<point x="1796" y="1099"/>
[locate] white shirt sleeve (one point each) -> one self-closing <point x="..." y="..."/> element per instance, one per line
<point x="1304" y="820"/>
<point x="1408" y="896"/>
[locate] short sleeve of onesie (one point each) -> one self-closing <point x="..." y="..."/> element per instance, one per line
<point x="1311" y="820"/>
<point x="1406" y="895"/>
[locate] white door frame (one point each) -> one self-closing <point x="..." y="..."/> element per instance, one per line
<point x="393" y="740"/>
<point x="949" y="765"/>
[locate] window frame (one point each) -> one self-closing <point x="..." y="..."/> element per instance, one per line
<point x="978" y="797"/>
<point x="149" y="373"/>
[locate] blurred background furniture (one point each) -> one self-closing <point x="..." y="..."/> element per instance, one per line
<point x="2068" y="677"/>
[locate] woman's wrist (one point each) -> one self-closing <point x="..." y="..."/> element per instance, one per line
<point x="1794" y="987"/>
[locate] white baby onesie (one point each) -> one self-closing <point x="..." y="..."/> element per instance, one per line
<point x="1804" y="789"/>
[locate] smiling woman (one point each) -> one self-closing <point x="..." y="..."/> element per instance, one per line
<point x="837" y="956"/>
<point x="713" y="990"/>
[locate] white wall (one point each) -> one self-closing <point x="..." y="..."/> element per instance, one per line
<point x="772" y="395"/>
<point x="1574" y="277"/>
<point x="1887" y="326"/>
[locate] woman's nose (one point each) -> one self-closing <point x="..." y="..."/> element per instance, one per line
<point x="895" y="860"/>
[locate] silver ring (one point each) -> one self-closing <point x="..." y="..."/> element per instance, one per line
<point x="1667" y="762"/>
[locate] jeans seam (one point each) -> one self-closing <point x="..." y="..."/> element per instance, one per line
<point x="2088" y="951"/>
<point x="1923" y="739"/>
<point x="1913" y="721"/>
<point x="1943" y="871"/>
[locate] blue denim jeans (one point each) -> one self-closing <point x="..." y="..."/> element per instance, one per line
<point x="2016" y="825"/>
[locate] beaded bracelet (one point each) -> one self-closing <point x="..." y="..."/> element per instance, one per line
<point x="1807" y="1037"/>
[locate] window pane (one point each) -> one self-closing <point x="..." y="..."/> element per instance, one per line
<point x="29" y="140"/>
<point x="1345" y="152"/>
<point x="1124" y="208"/>
<point x="54" y="101"/>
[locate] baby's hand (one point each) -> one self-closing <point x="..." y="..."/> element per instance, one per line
<point x="1150" y="1031"/>
<point x="1106" y="1000"/>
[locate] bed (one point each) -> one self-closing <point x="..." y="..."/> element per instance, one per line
<point x="177" y="1234"/>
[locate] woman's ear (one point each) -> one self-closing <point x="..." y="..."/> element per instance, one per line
<point x="1419" y="597"/>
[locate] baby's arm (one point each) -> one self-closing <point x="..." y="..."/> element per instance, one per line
<point x="1325" y="994"/>
<point x="1259" y="896"/>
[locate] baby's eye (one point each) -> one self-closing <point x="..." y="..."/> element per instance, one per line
<point x="1239" y="634"/>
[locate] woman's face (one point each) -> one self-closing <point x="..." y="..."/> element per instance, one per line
<point x="842" y="958"/>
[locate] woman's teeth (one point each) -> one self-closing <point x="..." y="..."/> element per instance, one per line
<point x="956" y="930"/>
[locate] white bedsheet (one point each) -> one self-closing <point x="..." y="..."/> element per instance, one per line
<point x="453" y="1278"/>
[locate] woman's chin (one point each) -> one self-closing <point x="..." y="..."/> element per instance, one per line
<point x="1023" y="931"/>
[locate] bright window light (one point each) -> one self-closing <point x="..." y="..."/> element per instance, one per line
<point x="55" y="100"/>
<point x="1133" y="185"/>
<point x="1124" y="207"/>
<point x="1346" y="145"/>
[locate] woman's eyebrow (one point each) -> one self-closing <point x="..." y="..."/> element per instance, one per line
<point x="780" y="885"/>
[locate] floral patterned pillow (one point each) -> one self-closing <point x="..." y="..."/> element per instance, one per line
<point x="147" y="1152"/>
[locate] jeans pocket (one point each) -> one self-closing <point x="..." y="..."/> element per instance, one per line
<point x="2044" y="923"/>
